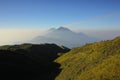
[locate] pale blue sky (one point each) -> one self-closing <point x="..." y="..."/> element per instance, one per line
<point x="76" y="14"/>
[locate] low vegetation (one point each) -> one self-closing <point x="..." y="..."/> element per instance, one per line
<point x="95" y="61"/>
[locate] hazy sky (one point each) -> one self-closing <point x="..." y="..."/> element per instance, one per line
<point x="24" y="16"/>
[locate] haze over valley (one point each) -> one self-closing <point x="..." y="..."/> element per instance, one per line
<point x="17" y="36"/>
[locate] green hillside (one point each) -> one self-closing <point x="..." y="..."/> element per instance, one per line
<point x="95" y="61"/>
<point x="30" y="61"/>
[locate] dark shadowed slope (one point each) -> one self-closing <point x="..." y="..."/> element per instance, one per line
<point x="30" y="61"/>
<point x="96" y="61"/>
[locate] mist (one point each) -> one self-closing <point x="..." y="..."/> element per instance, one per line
<point x="15" y="36"/>
<point x="18" y="36"/>
<point x="102" y="34"/>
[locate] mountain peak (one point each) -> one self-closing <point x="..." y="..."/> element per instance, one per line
<point x="63" y="28"/>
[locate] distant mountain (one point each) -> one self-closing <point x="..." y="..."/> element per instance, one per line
<point x="64" y="36"/>
<point x="29" y="61"/>
<point x="94" y="61"/>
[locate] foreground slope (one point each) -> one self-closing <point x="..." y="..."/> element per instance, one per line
<point x="30" y="61"/>
<point x="97" y="61"/>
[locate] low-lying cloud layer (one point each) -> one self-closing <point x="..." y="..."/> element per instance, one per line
<point x="15" y="36"/>
<point x="10" y="36"/>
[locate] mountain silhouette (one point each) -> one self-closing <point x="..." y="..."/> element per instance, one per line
<point x="64" y="36"/>
<point x="63" y="29"/>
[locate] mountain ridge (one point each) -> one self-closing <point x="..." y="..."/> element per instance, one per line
<point x="94" y="61"/>
<point x="64" y="36"/>
<point x="30" y="61"/>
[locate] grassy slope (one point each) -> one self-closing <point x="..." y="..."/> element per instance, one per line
<point x="97" y="61"/>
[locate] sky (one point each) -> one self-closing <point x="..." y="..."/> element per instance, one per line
<point x="29" y="16"/>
